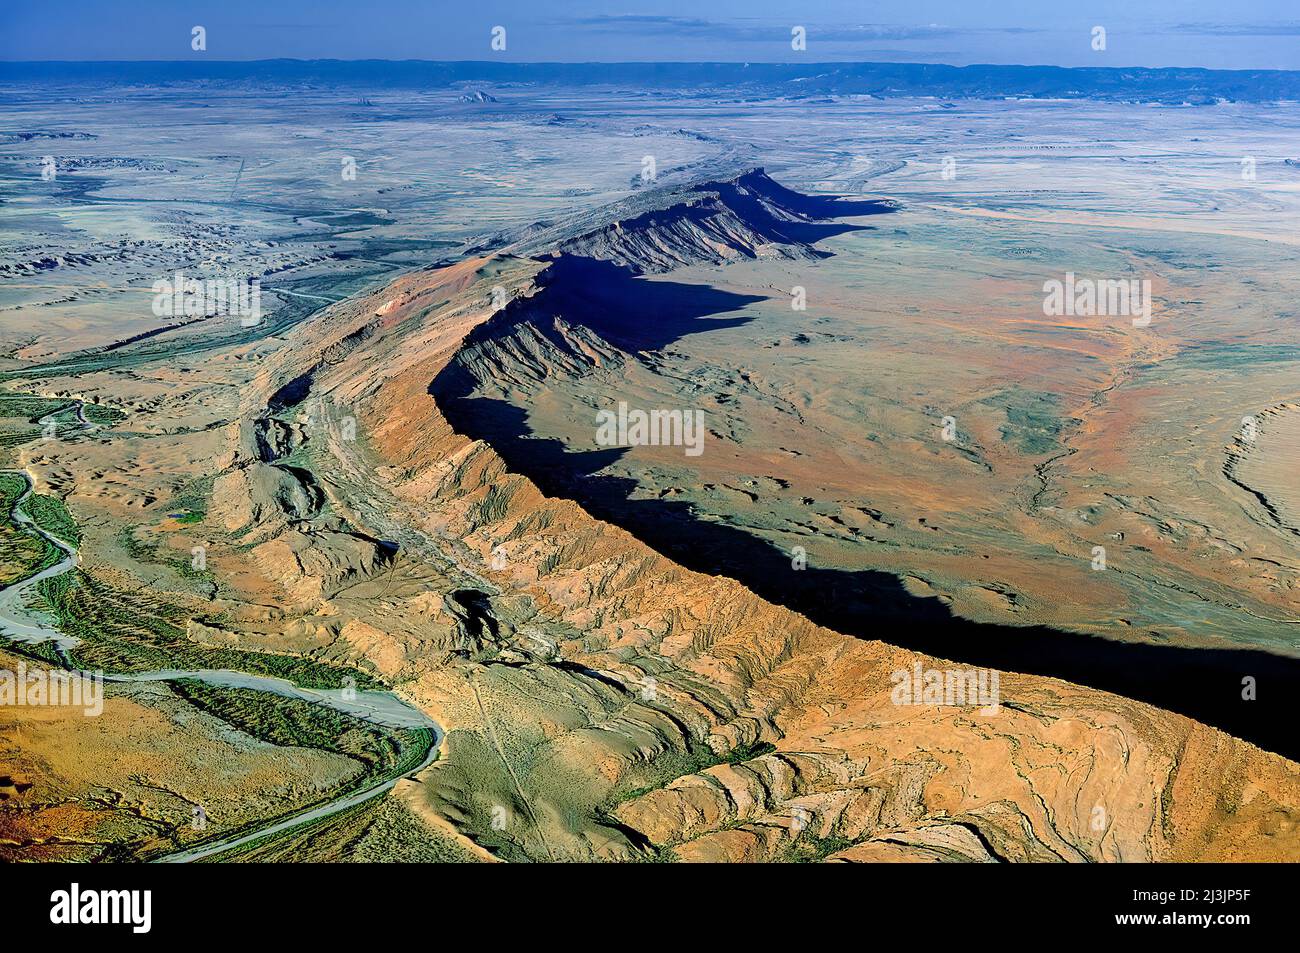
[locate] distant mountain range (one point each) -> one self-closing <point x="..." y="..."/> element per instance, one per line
<point x="1173" y="85"/>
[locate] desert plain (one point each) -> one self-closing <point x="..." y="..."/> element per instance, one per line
<point x="469" y="629"/>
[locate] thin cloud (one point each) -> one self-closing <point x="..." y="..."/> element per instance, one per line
<point x="1239" y="29"/>
<point x="754" y="31"/>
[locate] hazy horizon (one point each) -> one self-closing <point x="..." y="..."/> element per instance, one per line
<point x="630" y="62"/>
<point x="1161" y="33"/>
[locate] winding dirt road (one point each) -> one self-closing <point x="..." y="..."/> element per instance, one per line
<point x="21" y="624"/>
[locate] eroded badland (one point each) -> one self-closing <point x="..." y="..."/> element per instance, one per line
<point x="391" y="493"/>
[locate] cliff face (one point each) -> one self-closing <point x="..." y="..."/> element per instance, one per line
<point x="748" y="215"/>
<point x="602" y="700"/>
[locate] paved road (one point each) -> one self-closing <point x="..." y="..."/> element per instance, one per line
<point x="315" y="814"/>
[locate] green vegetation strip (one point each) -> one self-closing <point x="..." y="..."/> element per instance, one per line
<point x="19" y="414"/>
<point x="384" y="753"/>
<point x="292" y="722"/>
<point x="51" y="515"/>
<point x="29" y="408"/>
<point x="674" y="764"/>
<point x="22" y="553"/>
<point x="103" y="416"/>
<point x="810" y="849"/>
<point x="125" y="632"/>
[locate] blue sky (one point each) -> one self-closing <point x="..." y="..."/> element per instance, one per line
<point x="1261" y="34"/>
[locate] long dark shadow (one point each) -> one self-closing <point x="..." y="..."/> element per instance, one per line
<point x="1203" y="684"/>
